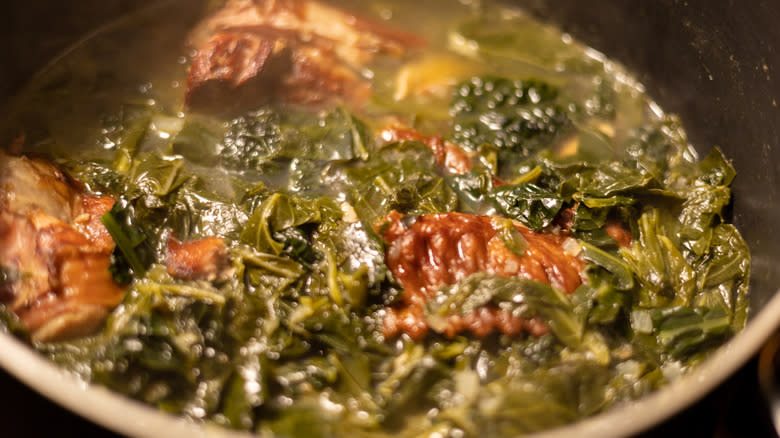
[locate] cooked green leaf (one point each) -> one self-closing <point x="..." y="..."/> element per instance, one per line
<point x="132" y="250"/>
<point x="528" y="203"/>
<point x="527" y="297"/>
<point x="515" y="115"/>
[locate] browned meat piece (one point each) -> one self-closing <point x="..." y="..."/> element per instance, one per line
<point x="300" y="51"/>
<point x="203" y="259"/>
<point x="227" y="62"/>
<point x="448" y="155"/>
<point x="56" y="250"/>
<point x="407" y="319"/>
<point x="481" y="322"/>
<point x="87" y="221"/>
<point x="565" y="218"/>
<point x="440" y="249"/>
<point x="617" y="231"/>
<point x="614" y="228"/>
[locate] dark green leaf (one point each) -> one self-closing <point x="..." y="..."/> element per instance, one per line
<point x="131" y="246"/>
<point x="255" y="139"/>
<point x="540" y="399"/>
<point x="471" y="187"/>
<point x="155" y="176"/>
<point x="528" y="203"/>
<point x="682" y="330"/>
<point x="356" y="259"/>
<point x="623" y="275"/>
<point x="251" y="140"/>
<point x="515" y="115"/>
<point x="127" y="144"/>
<point x="698" y="214"/>
<point x="280" y="212"/>
<point x="611" y="179"/>
<point x="726" y="271"/>
<point x="647" y="261"/>
<point x="403" y="177"/>
<point x="529" y="298"/>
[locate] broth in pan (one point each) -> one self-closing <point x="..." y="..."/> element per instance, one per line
<point x="375" y="218"/>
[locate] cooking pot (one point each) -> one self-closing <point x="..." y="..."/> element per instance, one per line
<point x="713" y="62"/>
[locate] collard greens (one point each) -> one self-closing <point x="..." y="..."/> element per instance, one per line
<point x="292" y="342"/>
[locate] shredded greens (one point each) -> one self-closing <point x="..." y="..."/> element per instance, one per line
<point x="292" y="342"/>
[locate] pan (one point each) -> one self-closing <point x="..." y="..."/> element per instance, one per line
<point x="713" y="62"/>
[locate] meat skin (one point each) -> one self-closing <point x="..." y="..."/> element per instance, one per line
<point x="252" y="52"/>
<point x="441" y="249"/>
<point x="56" y="249"/>
<point x="201" y="259"/>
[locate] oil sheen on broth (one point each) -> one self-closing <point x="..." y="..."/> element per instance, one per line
<point x="439" y="217"/>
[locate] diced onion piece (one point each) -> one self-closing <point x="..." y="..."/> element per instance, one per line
<point x="571" y="246"/>
<point x="641" y="321"/>
<point x="167" y="127"/>
<point x="350" y="216"/>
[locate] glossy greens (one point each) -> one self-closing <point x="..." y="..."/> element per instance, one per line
<point x="292" y="342"/>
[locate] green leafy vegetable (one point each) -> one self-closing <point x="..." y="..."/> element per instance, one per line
<point x="132" y="250"/>
<point x="401" y="177"/>
<point x="528" y="203"/>
<point x="623" y="276"/>
<point x="278" y="213"/>
<point x="292" y="341"/>
<point x="253" y="140"/>
<point x="129" y="141"/>
<point x="699" y="211"/>
<point x="529" y="298"/>
<point x="471" y="188"/>
<point x="515" y="115"/>
<point x="542" y="399"/>
<point x="301" y="319"/>
<point x="682" y="330"/>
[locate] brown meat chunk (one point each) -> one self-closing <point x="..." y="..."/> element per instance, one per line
<point x="617" y="231"/>
<point x="300" y="51"/>
<point x="481" y="322"/>
<point x="614" y="228"/>
<point x="56" y="249"/>
<point x="87" y="220"/>
<point x="203" y="259"/>
<point x="227" y="62"/>
<point x="408" y="319"/>
<point x="565" y="218"/>
<point x="451" y="157"/>
<point x="441" y="249"/>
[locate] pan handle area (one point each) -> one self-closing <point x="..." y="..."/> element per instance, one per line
<point x="769" y="377"/>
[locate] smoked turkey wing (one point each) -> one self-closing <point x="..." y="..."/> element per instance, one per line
<point x="54" y="250"/>
<point x="440" y="249"/>
<point x="252" y="52"/>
